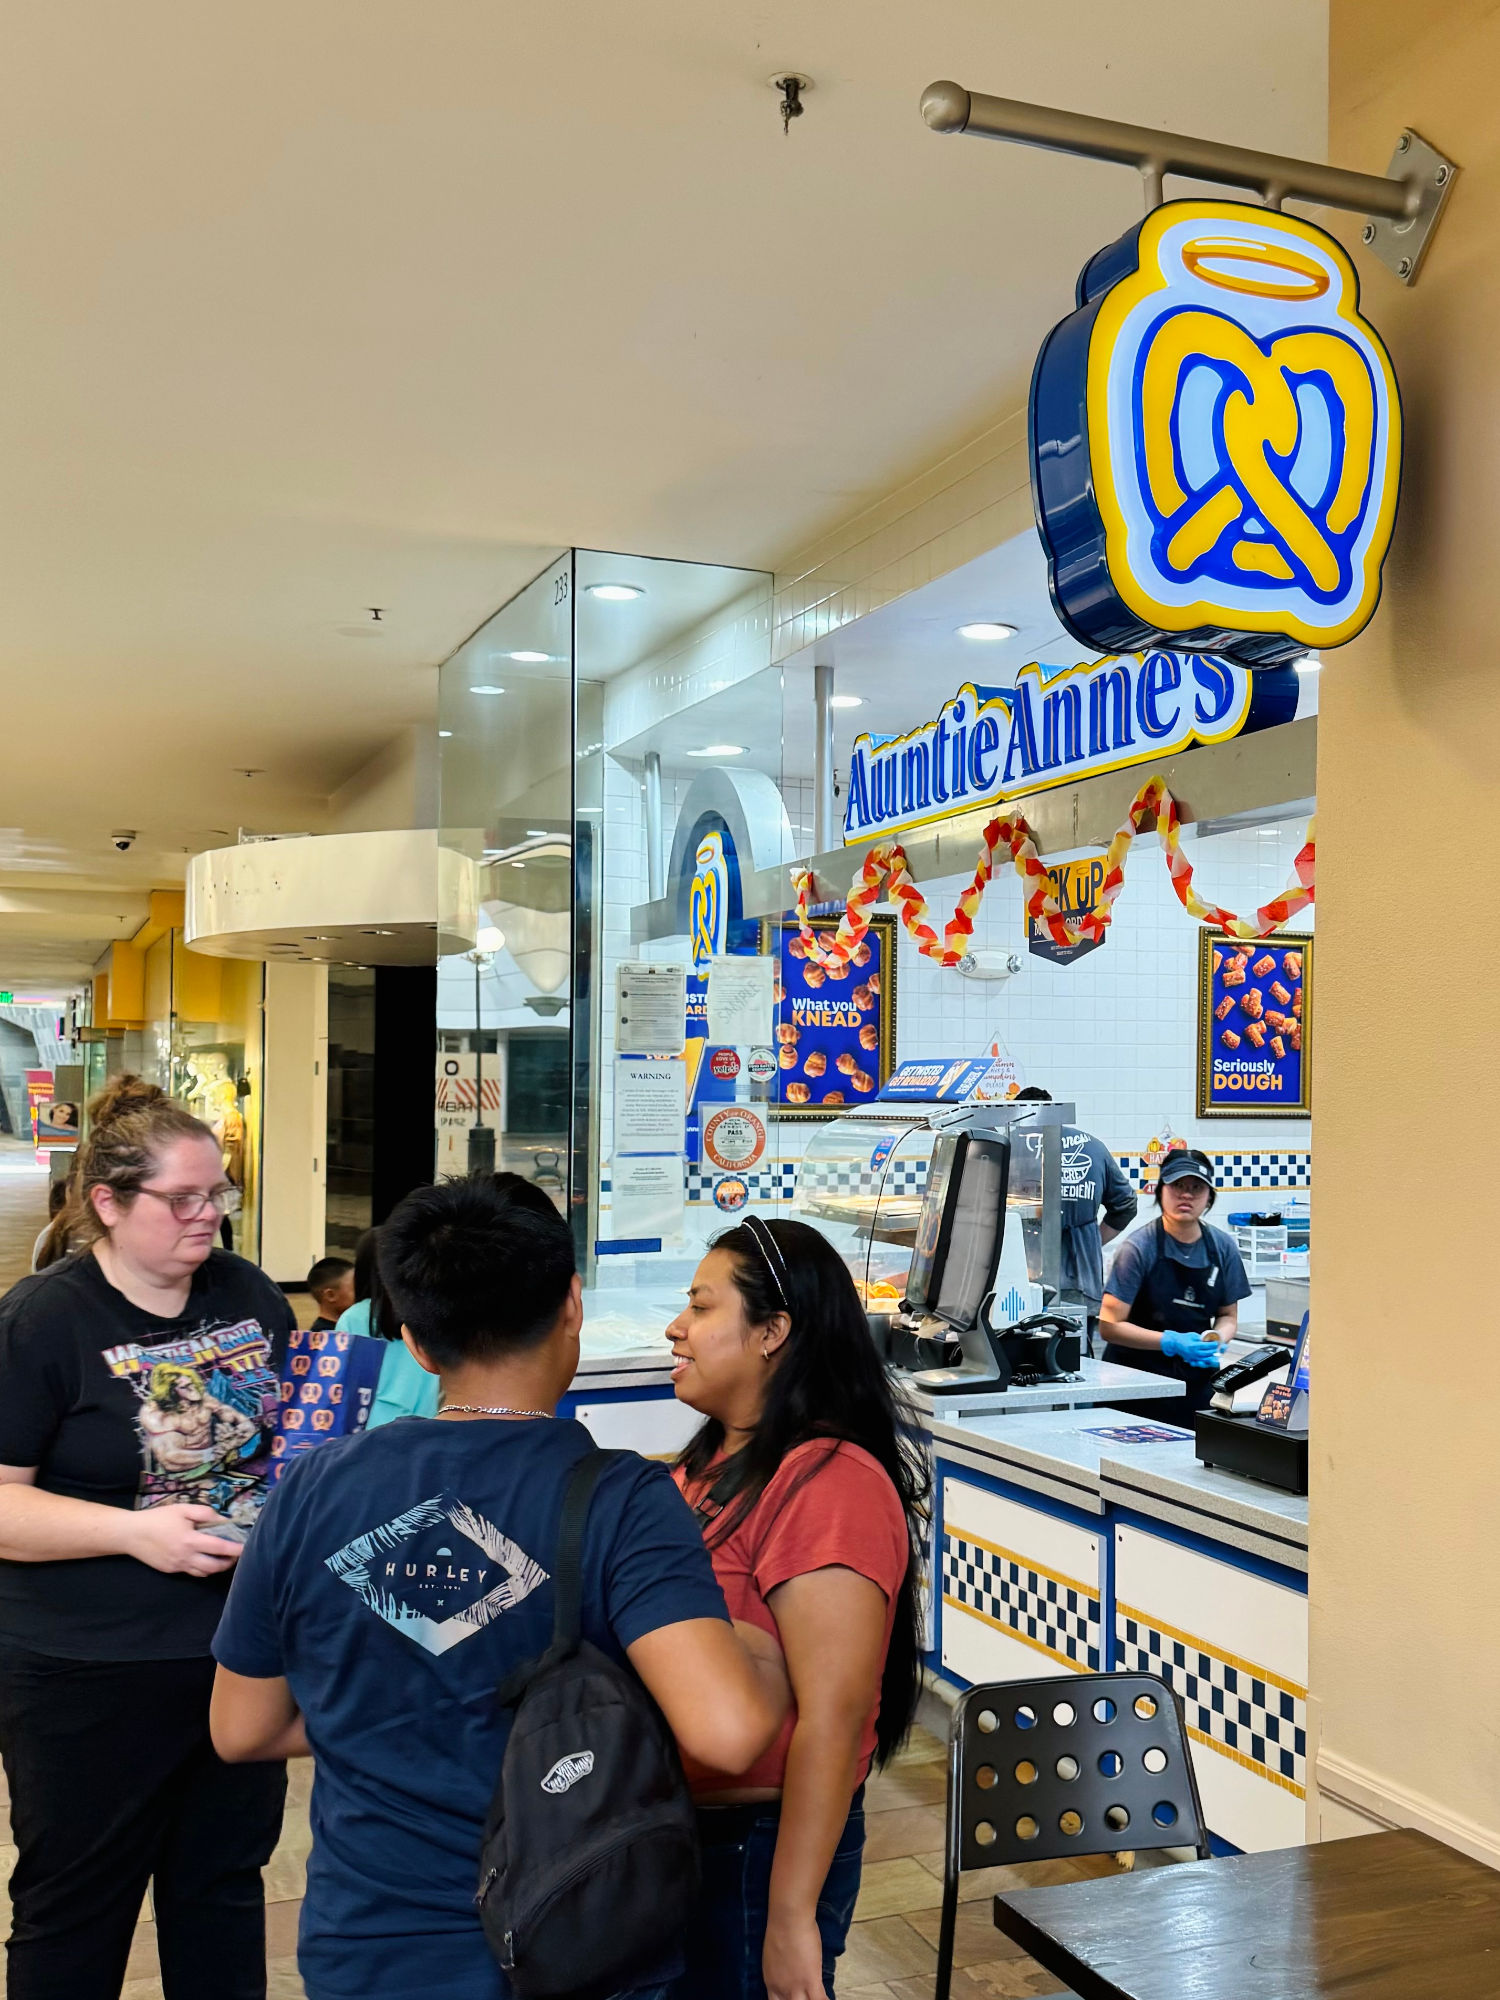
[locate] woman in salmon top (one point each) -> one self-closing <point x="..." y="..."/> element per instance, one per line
<point x="809" y="1483"/>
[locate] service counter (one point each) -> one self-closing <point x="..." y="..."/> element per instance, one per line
<point x="1082" y="1540"/>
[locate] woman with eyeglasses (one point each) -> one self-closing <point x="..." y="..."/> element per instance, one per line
<point x="138" y="1390"/>
<point x="810" y="1486"/>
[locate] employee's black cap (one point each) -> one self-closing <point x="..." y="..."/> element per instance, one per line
<point x="1181" y="1166"/>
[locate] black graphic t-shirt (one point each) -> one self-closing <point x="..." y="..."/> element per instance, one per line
<point x="118" y="1405"/>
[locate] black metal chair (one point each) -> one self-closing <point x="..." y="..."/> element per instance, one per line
<point x="1081" y="1764"/>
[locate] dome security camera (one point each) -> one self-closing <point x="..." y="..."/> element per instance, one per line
<point x="123" y="839"/>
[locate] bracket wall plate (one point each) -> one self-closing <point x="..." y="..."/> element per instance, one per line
<point x="1401" y="245"/>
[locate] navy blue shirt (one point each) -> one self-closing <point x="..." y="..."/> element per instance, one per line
<point x="1092" y="1178"/>
<point x="1213" y="1250"/>
<point x="395" y="1579"/>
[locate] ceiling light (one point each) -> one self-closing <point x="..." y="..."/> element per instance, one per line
<point x="536" y="833"/>
<point x="518" y="864"/>
<point x="485" y="687"/>
<point x="589" y="812"/>
<point x="719" y="750"/>
<point x="445" y="732"/>
<point x="489" y="939"/>
<point x="614" y="593"/>
<point x="529" y="659"/>
<point x="846" y="701"/>
<point x="1308" y="666"/>
<point x="986" y="628"/>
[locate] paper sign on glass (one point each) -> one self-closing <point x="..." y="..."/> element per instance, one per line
<point x="741" y="996"/>
<point x="650" y="1009"/>
<point x="646" y="1196"/>
<point x="650" y="1105"/>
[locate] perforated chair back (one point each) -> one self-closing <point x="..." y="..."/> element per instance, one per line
<point x="1080" y="1764"/>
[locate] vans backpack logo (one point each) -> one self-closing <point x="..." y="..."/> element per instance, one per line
<point x="566" y="1772"/>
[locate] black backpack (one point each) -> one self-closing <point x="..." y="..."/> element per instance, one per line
<point x="589" y="1866"/>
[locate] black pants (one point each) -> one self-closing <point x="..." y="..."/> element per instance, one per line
<point x="114" y="1784"/>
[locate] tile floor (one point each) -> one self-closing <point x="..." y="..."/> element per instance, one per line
<point x="893" y="1944"/>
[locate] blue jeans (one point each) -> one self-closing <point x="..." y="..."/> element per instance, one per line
<point x="727" y="1933"/>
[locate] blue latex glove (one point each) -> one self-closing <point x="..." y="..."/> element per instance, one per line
<point x="1196" y="1349"/>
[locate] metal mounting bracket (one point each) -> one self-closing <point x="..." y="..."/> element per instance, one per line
<point x="1402" y="245"/>
<point x="1402" y="206"/>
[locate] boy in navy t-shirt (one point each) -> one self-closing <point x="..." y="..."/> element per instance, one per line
<point x="395" y="1579"/>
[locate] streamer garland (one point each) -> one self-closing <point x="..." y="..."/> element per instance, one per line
<point x="886" y="864"/>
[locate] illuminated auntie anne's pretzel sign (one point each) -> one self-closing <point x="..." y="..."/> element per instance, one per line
<point x="1216" y="441"/>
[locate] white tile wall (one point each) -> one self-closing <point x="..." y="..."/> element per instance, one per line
<point x="1115" y="1031"/>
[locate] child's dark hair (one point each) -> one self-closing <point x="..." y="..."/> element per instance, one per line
<point x="476" y="1271"/>
<point x="327" y="1271"/>
<point x="830" y="1383"/>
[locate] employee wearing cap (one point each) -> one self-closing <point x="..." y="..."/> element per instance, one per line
<point x="1171" y="1299"/>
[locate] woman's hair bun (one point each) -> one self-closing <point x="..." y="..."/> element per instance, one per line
<point x="120" y="1096"/>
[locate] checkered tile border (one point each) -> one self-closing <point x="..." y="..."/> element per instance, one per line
<point x="1056" y="1614"/>
<point x="1253" y="1717"/>
<point x="779" y="1181"/>
<point x="1239" y="1170"/>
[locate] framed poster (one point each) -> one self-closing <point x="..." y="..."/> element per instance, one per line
<point x="835" y="1029"/>
<point x="1255" y="1026"/>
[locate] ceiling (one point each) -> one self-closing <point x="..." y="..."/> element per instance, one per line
<point x="324" y="307"/>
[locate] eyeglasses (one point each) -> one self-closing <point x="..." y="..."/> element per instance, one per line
<point x="191" y="1206"/>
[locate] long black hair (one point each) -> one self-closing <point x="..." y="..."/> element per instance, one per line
<point x="831" y="1384"/>
<point x="385" y="1321"/>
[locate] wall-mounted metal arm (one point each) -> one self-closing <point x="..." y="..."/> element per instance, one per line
<point x="1406" y="201"/>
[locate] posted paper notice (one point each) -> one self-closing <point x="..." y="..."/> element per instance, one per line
<point x="741" y="999"/>
<point x="650" y="1105"/>
<point x="650" y="1009"/>
<point x="646" y="1196"/>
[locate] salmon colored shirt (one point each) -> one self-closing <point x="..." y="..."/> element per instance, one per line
<point x="830" y="1506"/>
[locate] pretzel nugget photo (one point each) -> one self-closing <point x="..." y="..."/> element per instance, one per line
<point x="830" y="1096"/>
<point x="863" y="1082"/>
<point x="787" y="1031"/>
<point x="1230" y="1039"/>
<point x="788" y="1056"/>
<point x="1281" y="993"/>
<point x="846" y="1062"/>
<point x="869" y="1036"/>
<point x="798" y="1093"/>
<point x="1291" y="964"/>
<point x="1256" y="1033"/>
<point x="816" y="1063"/>
<point x="813" y="974"/>
<point x="1278" y="1046"/>
<point x="1263" y="965"/>
<point x="1252" y="1004"/>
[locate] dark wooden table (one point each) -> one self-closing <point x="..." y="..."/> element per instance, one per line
<point x="1386" y="1916"/>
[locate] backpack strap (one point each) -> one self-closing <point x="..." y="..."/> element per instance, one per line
<point x="567" y="1577"/>
<point x="567" y="1571"/>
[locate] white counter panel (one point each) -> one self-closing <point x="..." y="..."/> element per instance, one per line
<point x="1233" y="1645"/>
<point x="657" y="1427"/>
<point x="1020" y="1590"/>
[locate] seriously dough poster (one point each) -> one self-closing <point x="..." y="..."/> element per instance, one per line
<point x="835" y="1026"/>
<point x="1254" y="1026"/>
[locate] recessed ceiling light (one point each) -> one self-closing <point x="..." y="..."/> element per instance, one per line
<point x="987" y="628"/>
<point x="1308" y="666"/>
<point x="614" y="593"/>
<point x="518" y="864"/>
<point x="719" y="750"/>
<point x="485" y="687"/>
<point x="529" y="659"/>
<point x="445" y="732"/>
<point x="490" y="939"/>
<point x="536" y="833"/>
<point x="589" y="812"/>
<point x="846" y="701"/>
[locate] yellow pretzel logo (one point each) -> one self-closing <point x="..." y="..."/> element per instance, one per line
<point x="1250" y="513"/>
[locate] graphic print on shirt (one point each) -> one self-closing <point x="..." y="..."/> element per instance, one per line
<point x="409" y="1573"/>
<point x="1078" y="1172"/>
<point x="205" y="1411"/>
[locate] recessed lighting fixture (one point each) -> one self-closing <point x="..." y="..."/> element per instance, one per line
<point x="719" y="750"/>
<point x="529" y="659"/>
<point x="379" y="934"/>
<point x="846" y="701"/>
<point x="987" y="628"/>
<point x="445" y="732"/>
<point x="485" y="687"/>
<point x="589" y="812"/>
<point x="489" y="939"/>
<point x="518" y="864"/>
<point x="536" y="833"/>
<point x="614" y="593"/>
<point x="1308" y="666"/>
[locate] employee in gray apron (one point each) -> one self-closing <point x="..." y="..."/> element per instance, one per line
<point x="1092" y="1180"/>
<point x="1171" y="1300"/>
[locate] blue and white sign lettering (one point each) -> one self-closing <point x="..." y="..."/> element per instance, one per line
<point x="1216" y="440"/>
<point x="1056" y="725"/>
<point x="945" y="1080"/>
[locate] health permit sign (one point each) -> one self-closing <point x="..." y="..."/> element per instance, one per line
<point x="1254" y="1026"/>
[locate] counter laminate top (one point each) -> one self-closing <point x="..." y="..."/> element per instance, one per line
<point x="1088" y="1458"/>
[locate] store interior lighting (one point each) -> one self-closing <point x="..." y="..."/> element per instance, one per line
<point x="485" y="687"/>
<point x="719" y="750"/>
<point x="615" y="593"/>
<point x="987" y="629"/>
<point x="846" y="701"/>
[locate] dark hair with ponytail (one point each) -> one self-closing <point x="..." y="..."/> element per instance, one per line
<point x="829" y="1383"/>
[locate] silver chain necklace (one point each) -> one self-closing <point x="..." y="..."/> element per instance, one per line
<point x="491" y="1410"/>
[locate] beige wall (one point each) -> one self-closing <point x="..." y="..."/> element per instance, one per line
<point x="1405" y="1583"/>
<point x="294" y="1121"/>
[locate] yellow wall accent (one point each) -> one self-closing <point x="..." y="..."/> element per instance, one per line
<point x="1404" y="1623"/>
<point x="199" y="982"/>
<point x="126" y="990"/>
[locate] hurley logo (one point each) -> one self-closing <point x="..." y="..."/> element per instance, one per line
<point x="566" y="1772"/>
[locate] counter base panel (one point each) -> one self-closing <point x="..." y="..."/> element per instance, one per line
<point x="1021" y="1593"/>
<point x="1233" y="1645"/>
